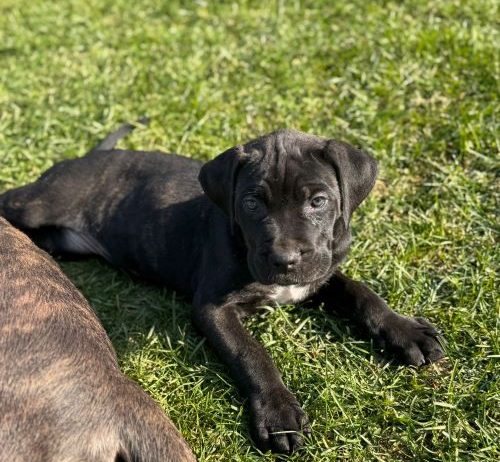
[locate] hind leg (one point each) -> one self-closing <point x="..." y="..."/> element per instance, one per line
<point x="30" y="213"/>
<point x="43" y="212"/>
<point x="23" y="207"/>
<point x="49" y="201"/>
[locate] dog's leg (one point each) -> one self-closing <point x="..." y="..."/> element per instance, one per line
<point x="29" y="210"/>
<point x="278" y="423"/>
<point x="23" y="207"/>
<point x="413" y="341"/>
<point x="41" y="209"/>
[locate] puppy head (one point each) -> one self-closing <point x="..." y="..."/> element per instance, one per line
<point x="292" y="195"/>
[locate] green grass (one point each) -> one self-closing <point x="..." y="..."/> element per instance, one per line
<point x="414" y="82"/>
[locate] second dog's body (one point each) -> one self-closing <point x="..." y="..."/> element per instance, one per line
<point x="269" y="222"/>
<point x="62" y="395"/>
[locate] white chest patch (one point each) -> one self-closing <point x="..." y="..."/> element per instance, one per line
<point x="289" y="294"/>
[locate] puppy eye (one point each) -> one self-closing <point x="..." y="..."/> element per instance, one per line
<point x="250" y="203"/>
<point x="318" y="202"/>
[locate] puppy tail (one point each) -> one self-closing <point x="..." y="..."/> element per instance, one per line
<point x="146" y="433"/>
<point x="110" y="141"/>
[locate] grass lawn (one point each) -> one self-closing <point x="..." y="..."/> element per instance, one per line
<point x="413" y="82"/>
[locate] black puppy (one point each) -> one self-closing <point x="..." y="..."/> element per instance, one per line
<point x="62" y="395"/>
<point x="269" y="223"/>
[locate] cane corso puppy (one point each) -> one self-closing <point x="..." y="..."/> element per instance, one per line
<point x="62" y="396"/>
<point x="264" y="222"/>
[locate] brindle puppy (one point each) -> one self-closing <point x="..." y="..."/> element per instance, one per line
<point x="264" y="222"/>
<point x="62" y="395"/>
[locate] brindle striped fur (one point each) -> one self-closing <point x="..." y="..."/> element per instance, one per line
<point x="62" y="395"/>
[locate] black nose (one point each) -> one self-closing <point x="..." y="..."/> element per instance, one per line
<point x="284" y="261"/>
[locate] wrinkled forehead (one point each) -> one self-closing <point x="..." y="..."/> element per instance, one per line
<point x="284" y="143"/>
<point x="286" y="161"/>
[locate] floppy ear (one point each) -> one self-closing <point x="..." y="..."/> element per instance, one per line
<point x="218" y="179"/>
<point x="356" y="173"/>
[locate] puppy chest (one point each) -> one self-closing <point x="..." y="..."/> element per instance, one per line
<point x="289" y="294"/>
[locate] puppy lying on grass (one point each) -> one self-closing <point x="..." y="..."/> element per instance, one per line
<point x="264" y="222"/>
<point x="62" y="395"/>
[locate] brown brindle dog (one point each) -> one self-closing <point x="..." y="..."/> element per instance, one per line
<point x="62" y="395"/>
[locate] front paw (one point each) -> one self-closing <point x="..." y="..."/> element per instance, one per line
<point x="412" y="341"/>
<point x="277" y="421"/>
